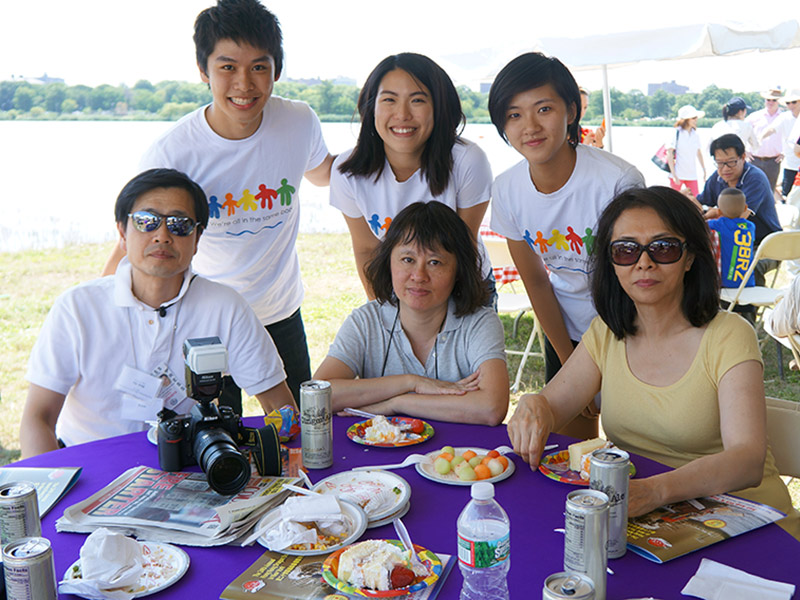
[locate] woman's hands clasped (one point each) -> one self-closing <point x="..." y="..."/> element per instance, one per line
<point x="530" y="426"/>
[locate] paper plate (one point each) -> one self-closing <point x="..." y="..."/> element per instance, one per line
<point x="165" y="564"/>
<point x="386" y="520"/>
<point x="362" y="486"/>
<point x="152" y="435"/>
<point x="331" y="566"/>
<point x="357" y="431"/>
<point x="354" y="515"/>
<point x="428" y="471"/>
<point x="556" y="466"/>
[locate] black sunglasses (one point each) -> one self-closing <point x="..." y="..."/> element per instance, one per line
<point x="664" y="252"/>
<point x="147" y="221"/>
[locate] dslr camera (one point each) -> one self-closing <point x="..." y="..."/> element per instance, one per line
<point x="209" y="435"/>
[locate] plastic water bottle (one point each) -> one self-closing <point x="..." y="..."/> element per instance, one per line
<point x="484" y="555"/>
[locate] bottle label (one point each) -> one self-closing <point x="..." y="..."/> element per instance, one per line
<point x="484" y="554"/>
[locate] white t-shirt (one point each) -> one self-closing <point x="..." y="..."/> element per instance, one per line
<point x="379" y="201"/>
<point x="560" y="227"/>
<point x="96" y="329"/>
<point x="686" y="145"/>
<point x="744" y="129"/>
<point x="253" y="193"/>
<point x="788" y="127"/>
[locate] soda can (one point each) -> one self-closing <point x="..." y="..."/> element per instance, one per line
<point x="586" y="536"/>
<point x="316" y="424"/>
<point x="610" y="474"/>
<point x="568" y="586"/>
<point x="19" y="512"/>
<point x="30" y="573"/>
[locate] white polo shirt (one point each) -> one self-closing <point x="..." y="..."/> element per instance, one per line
<point x="97" y="328"/>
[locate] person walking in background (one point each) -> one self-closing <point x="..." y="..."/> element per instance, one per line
<point x="589" y="137"/>
<point x="787" y="129"/>
<point x="733" y="121"/>
<point x="249" y="148"/>
<point x="768" y="154"/>
<point x="408" y="150"/>
<point x="683" y="151"/>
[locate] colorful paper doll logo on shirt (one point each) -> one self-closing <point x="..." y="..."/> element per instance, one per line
<point x="252" y="210"/>
<point x="562" y="250"/>
<point x="379" y="228"/>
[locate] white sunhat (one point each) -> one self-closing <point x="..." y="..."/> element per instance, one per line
<point x="791" y="96"/>
<point x="689" y="112"/>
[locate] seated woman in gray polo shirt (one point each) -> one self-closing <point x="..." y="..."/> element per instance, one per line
<point x="427" y="346"/>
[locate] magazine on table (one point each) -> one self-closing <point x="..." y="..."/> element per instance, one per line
<point x="683" y="527"/>
<point x="51" y="483"/>
<point x="276" y="576"/>
<point x="177" y="507"/>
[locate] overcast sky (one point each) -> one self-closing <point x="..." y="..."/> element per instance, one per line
<point x="108" y="41"/>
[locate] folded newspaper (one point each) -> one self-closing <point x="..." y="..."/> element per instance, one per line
<point x="175" y="507"/>
<point x="677" y="529"/>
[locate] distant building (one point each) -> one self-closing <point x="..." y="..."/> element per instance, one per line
<point x="668" y="86"/>
<point x="485" y="87"/>
<point x="38" y="80"/>
<point x="317" y="81"/>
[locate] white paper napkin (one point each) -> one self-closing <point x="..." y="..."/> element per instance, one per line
<point x="109" y="561"/>
<point x="715" y="581"/>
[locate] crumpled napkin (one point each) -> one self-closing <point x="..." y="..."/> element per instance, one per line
<point x="715" y="581"/>
<point x="109" y="561"/>
<point x="283" y="529"/>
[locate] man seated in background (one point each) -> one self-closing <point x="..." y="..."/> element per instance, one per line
<point x="734" y="172"/>
<point x="109" y="356"/>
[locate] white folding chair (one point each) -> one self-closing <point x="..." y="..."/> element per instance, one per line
<point x="514" y="303"/>
<point x="783" y="433"/>
<point x="780" y="245"/>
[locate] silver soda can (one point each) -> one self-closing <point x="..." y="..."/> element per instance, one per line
<point x="29" y="569"/>
<point x="586" y="536"/>
<point x="19" y="512"/>
<point x="316" y="424"/>
<point x="610" y="474"/>
<point x="568" y="586"/>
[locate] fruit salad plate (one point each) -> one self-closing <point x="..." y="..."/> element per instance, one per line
<point x="451" y="476"/>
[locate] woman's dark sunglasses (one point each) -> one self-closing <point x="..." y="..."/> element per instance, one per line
<point x="147" y="221"/>
<point x="664" y="252"/>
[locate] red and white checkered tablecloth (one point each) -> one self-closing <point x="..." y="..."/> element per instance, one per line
<point x="502" y="273"/>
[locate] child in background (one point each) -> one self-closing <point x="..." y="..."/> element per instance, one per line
<point x="736" y="237"/>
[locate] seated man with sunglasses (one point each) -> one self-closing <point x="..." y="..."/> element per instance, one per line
<point x="109" y="355"/>
<point x="734" y="172"/>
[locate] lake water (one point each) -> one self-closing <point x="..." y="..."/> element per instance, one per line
<point x="59" y="179"/>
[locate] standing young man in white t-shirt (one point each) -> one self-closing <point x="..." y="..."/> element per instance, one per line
<point x="547" y="206"/>
<point x="249" y="152"/>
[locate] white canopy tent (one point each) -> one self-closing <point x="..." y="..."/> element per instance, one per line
<point x="672" y="43"/>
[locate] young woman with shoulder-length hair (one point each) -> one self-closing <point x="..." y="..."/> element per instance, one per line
<point x="409" y="150"/>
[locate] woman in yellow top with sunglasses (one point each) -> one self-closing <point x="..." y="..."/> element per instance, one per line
<point x="682" y="382"/>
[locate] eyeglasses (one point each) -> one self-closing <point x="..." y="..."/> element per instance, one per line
<point x="147" y="221"/>
<point x="730" y="164"/>
<point x="770" y="99"/>
<point x="788" y="102"/>
<point x="664" y="252"/>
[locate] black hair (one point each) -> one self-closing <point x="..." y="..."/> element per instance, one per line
<point x="701" y="282"/>
<point x="527" y="72"/>
<point x="160" y="178"/>
<point x="729" y="140"/>
<point x="432" y="225"/>
<point x="369" y="156"/>
<point x="243" y="21"/>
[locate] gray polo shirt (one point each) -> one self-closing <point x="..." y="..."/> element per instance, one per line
<point x="463" y="344"/>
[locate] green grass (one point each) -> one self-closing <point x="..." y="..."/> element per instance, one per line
<point x="31" y="280"/>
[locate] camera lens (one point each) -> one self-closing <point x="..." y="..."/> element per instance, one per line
<point x="226" y="469"/>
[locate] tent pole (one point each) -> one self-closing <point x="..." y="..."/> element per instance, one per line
<point x="607" y="142"/>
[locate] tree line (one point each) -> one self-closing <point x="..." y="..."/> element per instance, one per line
<point x="170" y="100"/>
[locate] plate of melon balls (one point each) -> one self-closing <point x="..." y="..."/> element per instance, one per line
<point x="464" y="465"/>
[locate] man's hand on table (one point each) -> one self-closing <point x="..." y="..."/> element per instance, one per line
<point x="529" y="427"/>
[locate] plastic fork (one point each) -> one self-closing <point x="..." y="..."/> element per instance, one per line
<point x="402" y="533"/>
<point x="411" y="459"/>
<point x="509" y="450"/>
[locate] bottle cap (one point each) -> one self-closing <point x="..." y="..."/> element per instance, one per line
<point x="483" y="490"/>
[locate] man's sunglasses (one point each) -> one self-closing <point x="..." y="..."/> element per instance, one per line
<point x="664" y="252"/>
<point x="147" y="221"/>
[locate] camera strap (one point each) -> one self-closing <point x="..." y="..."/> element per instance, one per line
<point x="265" y="447"/>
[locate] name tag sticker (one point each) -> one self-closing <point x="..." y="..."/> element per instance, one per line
<point x="137" y="383"/>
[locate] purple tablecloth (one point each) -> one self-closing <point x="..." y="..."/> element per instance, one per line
<point x="534" y="503"/>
